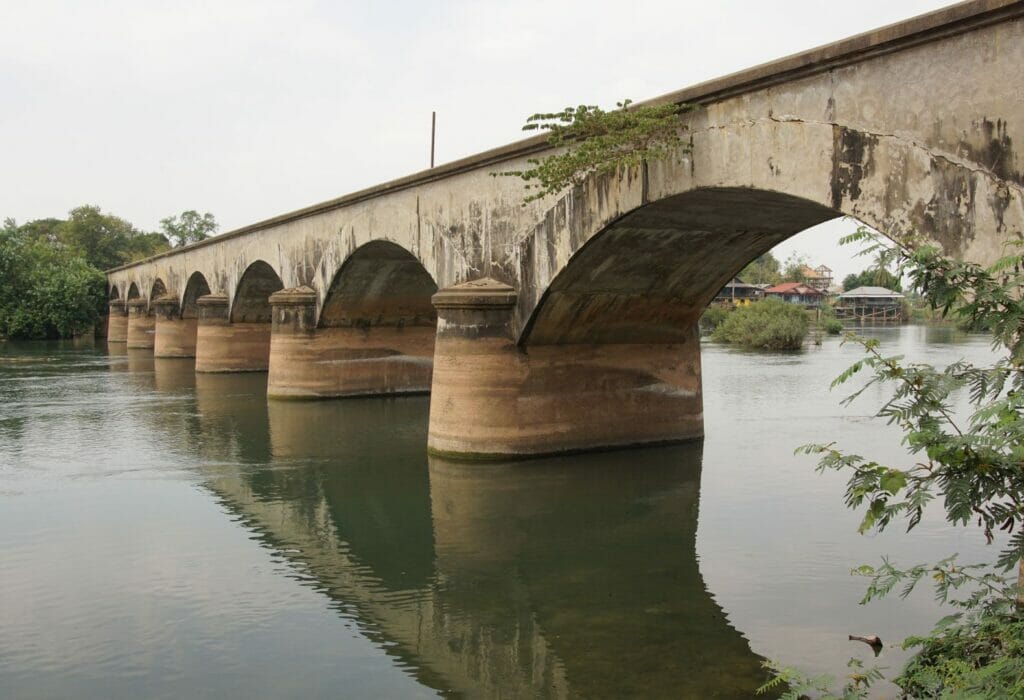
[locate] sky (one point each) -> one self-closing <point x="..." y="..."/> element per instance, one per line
<point x="253" y="108"/>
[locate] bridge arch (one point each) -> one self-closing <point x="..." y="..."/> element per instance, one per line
<point x="133" y="291"/>
<point x="742" y="189"/>
<point x="114" y="293"/>
<point x="196" y="287"/>
<point x="597" y="332"/>
<point x="158" y="289"/>
<point x="250" y="303"/>
<point x="379" y="284"/>
<point x="374" y="334"/>
<point x="648" y="276"/>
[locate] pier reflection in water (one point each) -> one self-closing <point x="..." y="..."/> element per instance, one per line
<point x="559" y="577"/>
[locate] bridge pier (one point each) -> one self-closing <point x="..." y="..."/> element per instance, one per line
<point x="174" y="336"/>
<point x="307" y="362"/>
<point x="223" y="346"/>
<point x="492" y="398"/>
<point x="141" y="325"/>
<point x="117" y="323"/>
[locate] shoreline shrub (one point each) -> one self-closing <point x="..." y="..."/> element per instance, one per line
<point x="770" y="324"/>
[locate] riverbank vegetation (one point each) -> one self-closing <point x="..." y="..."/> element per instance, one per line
<point x="770" y="324"/>
<point x="51" y="270"/>
<point x="971" y="462"/>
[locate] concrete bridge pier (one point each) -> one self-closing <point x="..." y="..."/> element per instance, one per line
<point x="223" y="346"/>
<point x="117" y="323"/>
<point x="363" y="359"/>
<point x="141" y="325"/>
<point x="492" y="398"/>
<point x="174" y="336"/>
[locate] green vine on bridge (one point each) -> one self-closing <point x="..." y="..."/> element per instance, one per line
<point x="590" y="141"/>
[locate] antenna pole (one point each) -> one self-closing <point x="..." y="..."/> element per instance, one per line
<point x="433" y="131"/>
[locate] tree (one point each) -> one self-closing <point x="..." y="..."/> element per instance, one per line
<point x="793" y="269"/>
<point x="762" y="270"/>
<point x="47" y="290"/>
<point x="105" y="240"/>
<point x="51" y="279"/>
<point x="873" y="277"/>
<point x="972" y="464"/>
<point x="188" y="227"/>
<point x="589" y="141"/>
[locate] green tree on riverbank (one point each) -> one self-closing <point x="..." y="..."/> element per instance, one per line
<point x="872" y="277"/>
<point x="51" y="270"/>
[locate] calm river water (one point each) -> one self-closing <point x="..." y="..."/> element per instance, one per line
<point x="167" y="535"/>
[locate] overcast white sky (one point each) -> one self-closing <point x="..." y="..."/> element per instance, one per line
<point x="251" y="108"/>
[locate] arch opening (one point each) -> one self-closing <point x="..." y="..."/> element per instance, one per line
<point x="133" y="291"/>
<point x="158" y="289"/>
<point x="251" y="301"/>
<point x="648" y="277"/>
<point x="375" y="334"/>
<point x="115" y="294"/>
<point x="195" y="287"/>
<point x="380" y="284"/>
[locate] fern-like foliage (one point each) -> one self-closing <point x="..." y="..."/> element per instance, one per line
<point x="972" y="463"/>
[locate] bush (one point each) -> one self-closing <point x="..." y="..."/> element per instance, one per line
<point x="832" y="326"/>
<point x="713" y="316"/>
<point x="765" y="325"/>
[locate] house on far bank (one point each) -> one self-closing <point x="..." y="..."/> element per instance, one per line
<point x="819" y="277"/>
<point x="870" y="304"/>
<point x="796" y="293"/>
<point x="739" y="292"/>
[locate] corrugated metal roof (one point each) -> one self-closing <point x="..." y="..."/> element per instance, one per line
<point x="870" y="292"/>
<point x="795" y="287"/>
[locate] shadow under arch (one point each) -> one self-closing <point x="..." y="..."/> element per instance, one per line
<point x="234" y="336"/>
<point x="196" y="287"/>
<point x="251" y="301"/>
<point x="374" y="335"/>
<point x="114" y="293"/>
<point x="648" y="276"/>
<point x="133" y="292"/>
<point x="379" y="284"/>
<point x="159" y="289"/>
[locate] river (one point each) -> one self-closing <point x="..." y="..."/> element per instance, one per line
<point x="165" y="534"/>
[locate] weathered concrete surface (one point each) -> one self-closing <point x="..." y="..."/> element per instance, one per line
<point x="174" y="336"/>
<point x="375" y="335"/>
<point x="914" y="128"/>
<point x="222" y="346"/>
<point x="141" y="325"/>
<point x="336" y="362"/>
<point x="117" y="323"/>
<point x="491" y="398"/>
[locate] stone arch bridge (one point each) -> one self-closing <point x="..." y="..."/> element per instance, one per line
<point x="571" y="323"/>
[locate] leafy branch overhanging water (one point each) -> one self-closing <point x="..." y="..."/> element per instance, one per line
<point x="973" y="466"/>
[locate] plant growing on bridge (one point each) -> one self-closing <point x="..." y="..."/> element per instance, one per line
<point x="969" y="459"/>
<point x="589" y="141"/>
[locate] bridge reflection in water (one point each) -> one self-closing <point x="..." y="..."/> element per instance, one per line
<point x="574" y="576"/>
